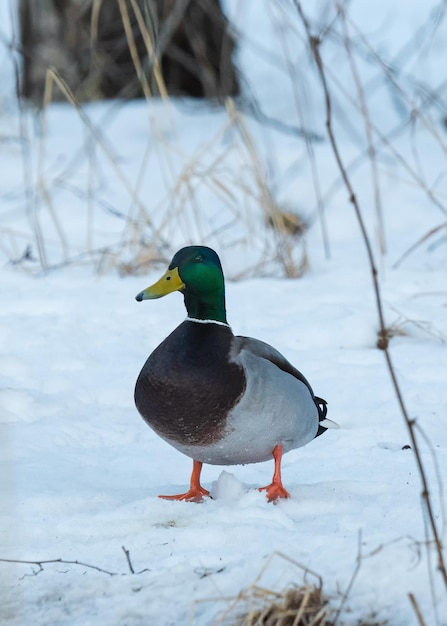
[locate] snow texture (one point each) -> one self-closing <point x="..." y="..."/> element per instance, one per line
<point x="79" y="469"/>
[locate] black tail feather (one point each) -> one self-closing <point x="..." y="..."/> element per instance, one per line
<point x="322" y="412"/>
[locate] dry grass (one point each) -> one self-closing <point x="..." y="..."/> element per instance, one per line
<point x="385" y="335"/>
<point x="241" y="194"/>
<point x="289" y="222"/>
<point x="229" y="171"/>
<point x="269" y="601"/>
<point x="297" y="606"/>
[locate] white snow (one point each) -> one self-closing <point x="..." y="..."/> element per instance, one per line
<point x="80" y="471"/>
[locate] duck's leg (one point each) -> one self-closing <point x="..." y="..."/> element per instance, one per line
<point x="196" y="491"/>
<point x="276" y="490"/>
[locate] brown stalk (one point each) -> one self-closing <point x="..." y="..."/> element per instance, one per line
<point x="368" y="130"/>
<point x="416" y="608"/>
<point x="133" y="49"/>
<point x="410" y="423"/>
<point x="295" y="81"/>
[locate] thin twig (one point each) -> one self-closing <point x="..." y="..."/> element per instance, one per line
<point x="131" y="44"/>
<point x="417" y="610"/>
<point x="295" y="82"/>
<point x="385" y="140"/>
<point x="53" y="76"/>
<point x="368" y="129"/>
<point x="358" y="563"/>
<point x="129" y="562"/>
<point x="410" y="423"/>
<point x="419" y="242"/>
<point x="40" y="564"/>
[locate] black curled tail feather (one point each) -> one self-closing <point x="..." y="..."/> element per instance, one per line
<point x="322" y="412"/>
<point x="322" y="408"/>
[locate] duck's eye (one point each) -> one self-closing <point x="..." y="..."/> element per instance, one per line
<point x="198" y="258"/>
<point x="168" y="278"/>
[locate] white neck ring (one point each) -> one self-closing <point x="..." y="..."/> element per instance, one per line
<point x="198" y="321"/>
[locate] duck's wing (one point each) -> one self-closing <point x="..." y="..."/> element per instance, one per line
<point x="266" y="351"/>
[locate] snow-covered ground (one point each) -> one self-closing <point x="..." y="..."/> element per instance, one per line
<point x="79" y="469"/>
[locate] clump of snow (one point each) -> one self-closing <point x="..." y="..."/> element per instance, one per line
<point x="227" y="488"/>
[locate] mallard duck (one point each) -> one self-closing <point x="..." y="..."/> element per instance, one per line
<point x="217" y="397"/>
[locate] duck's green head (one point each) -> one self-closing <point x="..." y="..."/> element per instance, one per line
<point x="196" y="272"/>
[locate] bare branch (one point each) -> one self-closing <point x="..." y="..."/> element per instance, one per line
<point x="417" y="610"/>
<point x="314" y="45"/>
<point x="420" y="241"/>
<point x="358" y="563"/>
<point x="40" y="564"/>
<point x="129" y="562"/>
<point x="369" y="132"/>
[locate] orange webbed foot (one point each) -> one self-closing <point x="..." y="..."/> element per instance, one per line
<point x="196" y="492"/>
<point x="275" y="490"/>
<point x="192" y="495"/>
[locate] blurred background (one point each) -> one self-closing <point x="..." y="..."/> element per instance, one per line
<point x="131" y="127"/>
